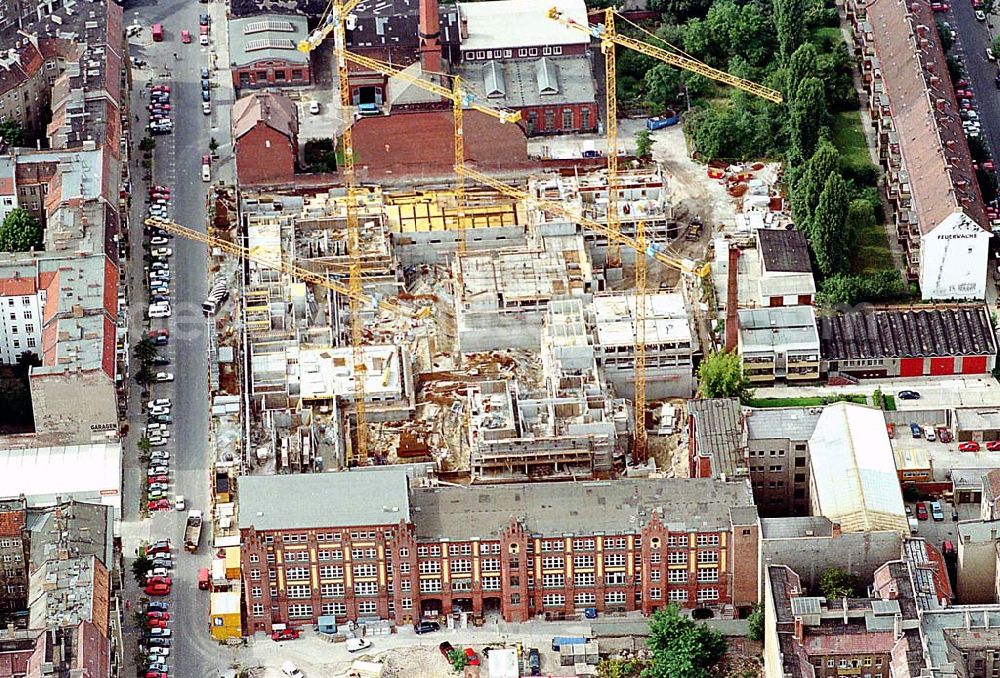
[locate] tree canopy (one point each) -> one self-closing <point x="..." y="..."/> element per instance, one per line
<point x="720" y="375"/>
<point x="681" y="647"/>
<point x="20" y="231"/>
<point x="836" y="582"/>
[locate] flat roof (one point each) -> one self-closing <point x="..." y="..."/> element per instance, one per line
<point x="74" y="471"/>
<point x="719" y="434"/>
<point x="783" y="250"/>
<point x="334" y="499"/>
<point x="977" y="418"/>
<point x="610" y="507"/>
<point x="516" y="83"/>
<point x="521" y="23"/>
<point x="266" y="37"/>
<point x="782" y="328"/>
<point x="791" y="423"/>
<point x="796" y="527"/>
<point x="666" y="319"/>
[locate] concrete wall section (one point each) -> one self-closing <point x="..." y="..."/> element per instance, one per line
<point x="59" y="417"/>
<point x="860" y="553"/>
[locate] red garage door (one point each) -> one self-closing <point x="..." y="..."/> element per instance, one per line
<point x="942" y="366"/>
<point x="974" y="364"/>
<point x="911" y="367"/>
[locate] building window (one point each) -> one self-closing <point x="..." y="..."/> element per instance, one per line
<point x="366" y="588"/>
<point x="567" y="118"/>
<point x="331" y="590"/>
<point x="255" y="574"/>
<point x="430" y="585"/>
<point x="557" y="50"/>
<point x="490" y="564"/>
<point x="677" y="576"/>
<point x="677" y="557"/>
<point x="256" y="592"/>
<point x="614" y="578"/>
<point x="552" y="545"/>
<point x="331" y="572"/>
<point x="614" y="597"/>
<point x="279" y="76"/>
<point x="406" y="603"/>
<point x="708" y="574"/>
<point x="533" y="51"/>
<point x="262" y="76"/>
<point x="546" y="51"/>
<point x="678" y="595"/>
<point x="257" y="610"/>
<point x="522" y="52"/>
<point x="491" y="583"/>
<point x="297" y="573"/>
<point x="584" y="579"/>
<point x="299" y="610"/>
<point x="707" y="594"/>
<point x="299" y="591"/>
<point x="404" y="585"/>
<point x="583" y="561"/>
<point x="677" y="540"/>
<point x="654" y="594"/>
<point x="254" y="558"/>
<point x="429" y="567"/>
<point x="552" y="563"/>
<point x="334" y="608"/>
<point x="297" y="74"/>
<point x="585" y="598"/>
<point x="654" y="575"/>
<point x="708" y="540"/>
<point x="708" y="556"/>
<point x="553" y="600"/>
<point x="365" y="570"/>
<point x="583" y="544"/>
<point x="461" y="566"/>
<point x="553" y="581"/>
<point x="367" y="607"/>
<point x="614" y="559"/>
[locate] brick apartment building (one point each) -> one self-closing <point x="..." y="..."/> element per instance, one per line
<point x="265" y="130"/>
<point x="389" y="549"/>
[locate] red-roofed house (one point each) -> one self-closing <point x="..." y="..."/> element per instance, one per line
<point x="265" y="131"/>
<point x="931" y="184"/>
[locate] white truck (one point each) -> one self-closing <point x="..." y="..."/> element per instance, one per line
<point x="192" y="530"/>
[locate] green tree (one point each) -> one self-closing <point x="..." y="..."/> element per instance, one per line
<point x="996" y="46"/>
<point x="807" y="117"/>
<point x="147" y="144"/>
<point x="830" y="243"/>
<point x="681" y="647"/>
<point x="802" y="64"/>
<point x="620" y="668"/>
<point x="789" y="24"/>
<point x="143" y="445"/>
<point x="720" y="375"/>
<point x="887" y="285"/>
<point x="141" y="567"/>
<point x="12" y="132"/>
<point x="836" y="582"/>
<point x="755" y="623"/>
<point x="661" y="84"/>
<point x="213" y="145"/>
<point x="144" y="376"/>
<point x="145" y="351"/>
<point x="458" y="660"/>
<point x="20" y="231"/>
<point x="643" y="144"/>
<point x="809" y="184"/>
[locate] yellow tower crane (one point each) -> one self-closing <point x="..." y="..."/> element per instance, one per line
<point x="609" y="37"/>
<point x="332" y="21"/>
<point x="357" y="300"/>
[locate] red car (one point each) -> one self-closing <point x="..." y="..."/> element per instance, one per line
<point x="921" y="511"/>
<point x="963" y="93"/>
<point x="159" y="505"/>
<point x="935" y="7"/>
<point x="473" y="657"/>
<point x="158" y="615"/>
<point x="968" y="447"/>
<point x="993" y="445"/>
<point x="158" y="479"/>
<point x="159" y="333"/>
<point x="156" y="623"/>
<point x="962" y="83"/>
<point x="162" y="546"/>
<point x="157" y="589"/>
<point x="158" y="580"/>
<point x="185" y="37"/>
<point x="285" y="634"/>
<point x="156" y="674"/>
<point x="161" y="88"/>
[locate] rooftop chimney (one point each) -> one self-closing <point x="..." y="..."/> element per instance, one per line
<point x="429" y="32"/>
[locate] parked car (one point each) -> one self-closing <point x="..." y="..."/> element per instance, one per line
<point x="186" y="36"/>
<point x="161" y="633"/>
<point x="358" y="644"/>
<point x="158" y="580"/>
<point x="157" y="590"/>
<point x="909" y="395"/>
<point x="180" y="503"/>
<point x="929" y="433"/>
<point x="160" y="605"/>
<point x="203" y="19"/>
<point x="159" y="402"/>
<point x="162" y="252"/>
<point x="915" y="430"/>
<point x="935" y="7"/>
<point x="159" y="505"/>
<point x="165" y="616"/>
<point x="159" y="642"/>
<point x="989" y="55"/>
<point x="314" y="107"/>
<point x="534" y="662"/>
<point x="157" y="471"/>
<point x="936" y="512"/>
<point x="426" y="627"/>
<point x="285" y="634"/>
<point x="445" y="648"/>
<point x="472" y="656"/>
<point x="970" y="446"/>
<point x="156" y="623"/>
<point x="158" y="547"/>
<point x="290" y="670"/>
<point x="206" y="108"/>
<point x="161" y="418"/>
<point x="164" y="376"/>
<point x="921" y="511"/>
<point x="159" y="651"/>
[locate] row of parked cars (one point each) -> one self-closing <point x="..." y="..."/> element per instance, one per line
<point x="154" y="645"/>
<point x="160" y="110"/>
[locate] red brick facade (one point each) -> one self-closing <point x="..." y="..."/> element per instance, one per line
<point x="271" y="73"/>
<point x="294" y="576"/>
<point x="265" y="155"/>
<point x="553" y="119"/>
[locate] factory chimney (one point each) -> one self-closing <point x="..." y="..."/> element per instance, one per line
<point x="430" y="32"/>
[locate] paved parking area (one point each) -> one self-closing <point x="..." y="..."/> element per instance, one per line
<point x="324" y="125"/>
<point x="945" y="457"/>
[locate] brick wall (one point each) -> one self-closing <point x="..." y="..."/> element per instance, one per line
<point x="264" y="155"/>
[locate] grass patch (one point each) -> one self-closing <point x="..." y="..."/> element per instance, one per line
<point x="849" y="138"/>
<point x="826" y="36"/>
<point x="872" y="251"/>
<point x="889" y="403"/>
<point x="807" y="401"/>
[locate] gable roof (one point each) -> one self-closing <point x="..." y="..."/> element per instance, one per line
<point x="273" y="109"/>
<point x="783" y="250"/>
<point x="925" y="112"/>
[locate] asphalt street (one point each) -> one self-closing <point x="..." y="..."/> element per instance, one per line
<point x="177" y="164"/>
<point x="973" y="39"/>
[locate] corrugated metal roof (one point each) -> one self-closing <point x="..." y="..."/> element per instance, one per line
<point x="493" y="80"/>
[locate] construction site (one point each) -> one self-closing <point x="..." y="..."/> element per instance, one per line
<point x="543" y="326"/>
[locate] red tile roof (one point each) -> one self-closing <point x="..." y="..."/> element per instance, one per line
<point x="108" y="348"/>
<point x="849" y="643"/>
<point x="11" y="523"/>
<point x="925" y="111"/>
<point x="111" y="289"/>
<point x="423" y="143"/>
<point x="12" y="287"/>
<point x="941" y="581"/>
